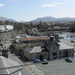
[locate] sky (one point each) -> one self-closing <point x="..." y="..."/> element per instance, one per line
<point x="27" y="10"/>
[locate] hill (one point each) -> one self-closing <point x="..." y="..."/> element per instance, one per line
<point x="51" y="19"/>
<point x="3" y="19"/>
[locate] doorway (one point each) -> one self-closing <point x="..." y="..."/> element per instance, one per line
<point x="54" y="55"/>
<point x="41" y="57"/>
<point x="66" y="53"/>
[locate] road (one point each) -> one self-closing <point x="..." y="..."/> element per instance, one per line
<point x="24" y="71"/>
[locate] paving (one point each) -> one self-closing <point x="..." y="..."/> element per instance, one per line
<point x="57" y="67"/>
<point x="35" y="70"/>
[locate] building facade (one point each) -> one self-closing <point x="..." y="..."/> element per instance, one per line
<point x="59" y="50"/>
<point x="4" y="28"/>
<point x="50" y="50"/>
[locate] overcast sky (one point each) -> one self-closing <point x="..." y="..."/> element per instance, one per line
<point x="27" y="10"/>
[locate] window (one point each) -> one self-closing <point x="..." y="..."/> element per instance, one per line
<point x="44" y="55"/>
<point x="34" y="56"/>
<point x="60" y="53"/>
<point x="70" y="52"/>
<point x="53" y="48"/>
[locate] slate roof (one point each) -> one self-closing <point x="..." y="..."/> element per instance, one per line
<point x="44" y="50"/>
<point x="63" y="46"/>
<point x="28" y="49"/>
<point x="36" y="49"/>
<point x="6" y="62"/>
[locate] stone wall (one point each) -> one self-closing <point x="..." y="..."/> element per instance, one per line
<point x="7" y="35"/>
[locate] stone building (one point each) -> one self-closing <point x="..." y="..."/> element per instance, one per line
<point x="35" y="53"/>
<point x="57" y="49"/>
<point x="50" y="49"/>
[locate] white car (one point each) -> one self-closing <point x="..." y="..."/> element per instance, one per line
<point x="45" y="61"/>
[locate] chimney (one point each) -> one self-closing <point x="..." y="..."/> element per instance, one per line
<point x="51" y="38"/>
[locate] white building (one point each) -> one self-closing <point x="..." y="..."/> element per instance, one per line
<point x="2" y="28"/>
<point x="5" y="28"/>
<point x="8" y="27"/>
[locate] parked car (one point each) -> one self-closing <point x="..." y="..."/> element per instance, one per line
<point x="69" y="59"/>
<point x="73" y="41"/>
<point x="45" y="61"/>
<point x="37" y="60"/>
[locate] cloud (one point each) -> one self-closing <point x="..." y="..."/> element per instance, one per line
<point x="51" y="5"/>
<point x="1" y="5"/>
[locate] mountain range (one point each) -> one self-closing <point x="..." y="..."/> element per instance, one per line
<point x="3" y="19"/>
<point x="44" y="19"/>
<point x="51" y="19"/>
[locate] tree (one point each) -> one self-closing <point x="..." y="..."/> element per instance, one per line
<point x="31" y="24"/>
<point x="6" y="22"/>
<point x="44" y="25"/>
<point x="1" y="22"/>
<point x="72" y="28"/>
